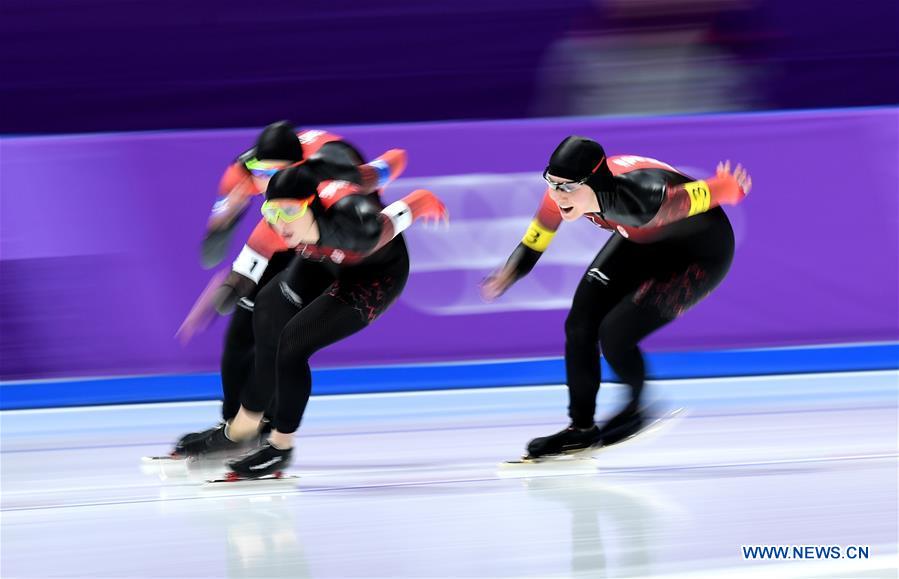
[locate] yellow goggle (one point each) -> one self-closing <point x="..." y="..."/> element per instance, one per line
<point x="265" y="169"/>
<point x="285" y="210"/>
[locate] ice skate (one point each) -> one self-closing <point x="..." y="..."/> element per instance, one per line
<point x="569" y="444"/>
<point x="264" y="463"/>
<point x="573" y="444"/>
<point x="210" y="442"/>
<point x="636" y="425"/>
<point x="178" y="452"/>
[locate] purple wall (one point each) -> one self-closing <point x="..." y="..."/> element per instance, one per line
<point x="99" y="237"/>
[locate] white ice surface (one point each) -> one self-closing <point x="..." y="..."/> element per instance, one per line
<point x="408" y="485"/>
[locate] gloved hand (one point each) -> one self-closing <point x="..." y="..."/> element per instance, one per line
<point x="425" y="205"/>
<point x="497" y="283"/>
<point x="221" y="295"/>
<point x="740" y="178"/>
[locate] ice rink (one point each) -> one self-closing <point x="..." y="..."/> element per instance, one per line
<point x="409" y="485"/>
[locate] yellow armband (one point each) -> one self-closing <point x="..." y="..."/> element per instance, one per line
<point x="700" y="196"/>
<point x="537" y="237"/>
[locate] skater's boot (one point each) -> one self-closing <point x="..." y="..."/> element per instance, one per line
<point x="214" y="440"/>
<point x="626" y="424"/>
<point x="264" y="461"/>
<point x="188" y="439"/>
<point x="570" y="440"/>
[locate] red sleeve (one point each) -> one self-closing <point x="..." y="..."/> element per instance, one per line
<point x="330" y="192"/>
<point x="237" y="179"/>
<point x="620" y="164"/>
<point x="236" y="188"/>
<point x="689" y="199"/>
<point x="549" y="215"/>
<point x="543" y="227"/>
<point x="312" y="140"/>
<point x="536" y="239"/>
<point x="382" y="171"/>
<point x="685" y="200"/>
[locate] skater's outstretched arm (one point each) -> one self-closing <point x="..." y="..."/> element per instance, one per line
<point x="689" y="199"/>
<point x="357" y="224"/>
<point x="236" y="189"/>
<point x="225" y="289"/>
<point x="382" y="171"/>
<point x="647" y="201"/>
<point x="525" y="255"/>
<point x="248" y="176"/>
<point x="367" y="177"/>
<point x="353" y="223"/>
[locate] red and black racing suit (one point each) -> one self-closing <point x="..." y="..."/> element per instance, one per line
<point x="671" y="246"/>
<point x="331" y="290"/>
<point x="328" y="156"/>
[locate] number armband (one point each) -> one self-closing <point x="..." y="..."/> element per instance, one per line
<point x="700" y="196"/>
<point x="250" y="264"/>
<point x="537" y="237"/>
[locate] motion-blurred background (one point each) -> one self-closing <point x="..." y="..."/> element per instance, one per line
<point x="103" y="65"/>
<point x="119" y="117"/>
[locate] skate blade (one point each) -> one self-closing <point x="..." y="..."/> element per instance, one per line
<point x="550" y="466"/>
<point x="233" y="481"/>
<point x="165" y="467"/>
<point x="164" y="458"/>
<point x="580" y="459"/>
<point x="587" y="458"/>
<point x="651" y="430"/>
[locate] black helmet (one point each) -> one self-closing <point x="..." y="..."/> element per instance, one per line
<point x="580" y="159"/>
<point x="292" y="183"/>
<point x="279" y="141"/>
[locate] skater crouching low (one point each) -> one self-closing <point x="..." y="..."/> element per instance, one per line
<point x="672" y="244"/>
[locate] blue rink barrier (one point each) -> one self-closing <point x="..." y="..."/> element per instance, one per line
<point x="670" y="365"/>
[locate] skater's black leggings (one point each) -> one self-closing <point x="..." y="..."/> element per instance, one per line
<point x="303" y="310"/>
<point x="629" y="291"/>
<point x="238" y="363"/>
